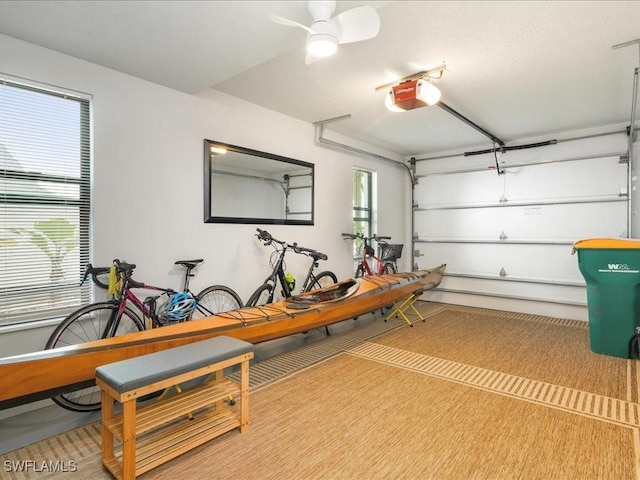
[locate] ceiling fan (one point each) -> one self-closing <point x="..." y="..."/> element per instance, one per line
<point x="326" y="33"/>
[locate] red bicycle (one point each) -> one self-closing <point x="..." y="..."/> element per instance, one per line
<point x="370" y="264"/>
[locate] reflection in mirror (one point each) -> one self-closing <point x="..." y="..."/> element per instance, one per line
<point x="248" y="186"/>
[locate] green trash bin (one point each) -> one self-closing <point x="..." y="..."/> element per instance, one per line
<point x="611" y="269"/>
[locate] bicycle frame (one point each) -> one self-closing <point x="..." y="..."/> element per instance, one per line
<point x="278" y="273"/>
<point x="378" y="261"/>
<point x="311" y="278"/>
<point x="147" y="307"/>
<point x="368" y="255"/>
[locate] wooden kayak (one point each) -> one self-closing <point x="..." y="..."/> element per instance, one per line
<point x="35" y="376"/>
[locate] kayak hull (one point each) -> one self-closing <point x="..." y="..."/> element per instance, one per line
<point x="38" y="375"/>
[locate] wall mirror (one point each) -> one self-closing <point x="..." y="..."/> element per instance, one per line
<point x="248" y="186"/>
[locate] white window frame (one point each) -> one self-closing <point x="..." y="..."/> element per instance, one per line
<point x="370" y="209"/>
<point x="45" y="200"/>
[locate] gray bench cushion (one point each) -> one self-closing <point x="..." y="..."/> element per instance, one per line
<point x="136" y="372"/>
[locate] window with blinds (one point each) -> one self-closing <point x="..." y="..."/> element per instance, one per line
<point x="44" y="202"/>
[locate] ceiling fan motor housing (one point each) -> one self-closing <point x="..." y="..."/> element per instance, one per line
<point x="321" y="9"/>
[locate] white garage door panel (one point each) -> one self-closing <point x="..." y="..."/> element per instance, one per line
<point x="589" y="178"/>
<point x="564" y="181"/>
<point x="534" y="262"/>
<point x="506" y="288"/>
<point x="459" y="189"/>
<point x="568" y="222"/>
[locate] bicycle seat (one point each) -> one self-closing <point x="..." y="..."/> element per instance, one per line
<point x="316" y="255"/>
<point x="190" y="264"/>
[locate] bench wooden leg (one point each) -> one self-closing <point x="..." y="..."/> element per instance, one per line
<point x="129" y="440"/>
<point x="244" y="396"/>
<point x="216" y="377"/>
<point x="107" y="435"/>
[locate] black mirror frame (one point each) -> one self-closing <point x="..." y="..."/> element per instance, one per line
<point x="209" y="218"/>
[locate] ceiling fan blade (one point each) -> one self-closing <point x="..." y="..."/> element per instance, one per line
<point x="288" y="23"/>
<point x="357" y="24"/>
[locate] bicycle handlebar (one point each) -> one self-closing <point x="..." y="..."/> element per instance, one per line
<point x="353" y="236"/>
<point x="126" y="269"/>
<point x="94" y="272"/>
<point x="121" y="268"/>
<point x="266" y="237"/>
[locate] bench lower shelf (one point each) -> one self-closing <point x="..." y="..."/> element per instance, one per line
<point x="162" y="411"/>
<point x="159" y="447"/>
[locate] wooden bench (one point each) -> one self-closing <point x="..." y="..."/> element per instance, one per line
<point x="167" y="427"/>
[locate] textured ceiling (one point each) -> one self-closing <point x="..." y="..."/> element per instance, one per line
<point x="517" y="69"/>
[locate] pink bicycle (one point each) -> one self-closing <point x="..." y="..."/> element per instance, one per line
<point x="126" y="313"/>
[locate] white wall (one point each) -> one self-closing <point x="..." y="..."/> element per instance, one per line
<point x="148" y="179"/>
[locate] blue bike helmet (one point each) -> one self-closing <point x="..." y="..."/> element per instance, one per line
<point x="178" y="308"/>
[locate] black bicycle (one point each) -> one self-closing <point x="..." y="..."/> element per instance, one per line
<point x="265" y="293"/>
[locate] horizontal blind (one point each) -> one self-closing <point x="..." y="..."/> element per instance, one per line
<point x="44" y="202"/>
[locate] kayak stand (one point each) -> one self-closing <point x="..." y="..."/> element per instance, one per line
<point x="400" y="308"/>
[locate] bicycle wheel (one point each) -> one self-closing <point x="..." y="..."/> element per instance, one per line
<point x="262" y="296"/>
<point x="360" y="271"/>
<point x="215" y="299"/>
<point x="389" y="268"/>
<point x="323" y="279"/>
<point x="84" y="325"/>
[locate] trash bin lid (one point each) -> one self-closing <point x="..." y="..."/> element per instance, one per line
<point x="607" y="243"/>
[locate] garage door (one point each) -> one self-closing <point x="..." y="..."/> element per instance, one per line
<point x="505" y="224"/>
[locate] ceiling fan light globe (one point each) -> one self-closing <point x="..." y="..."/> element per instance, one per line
<point x="322" y="45"/>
